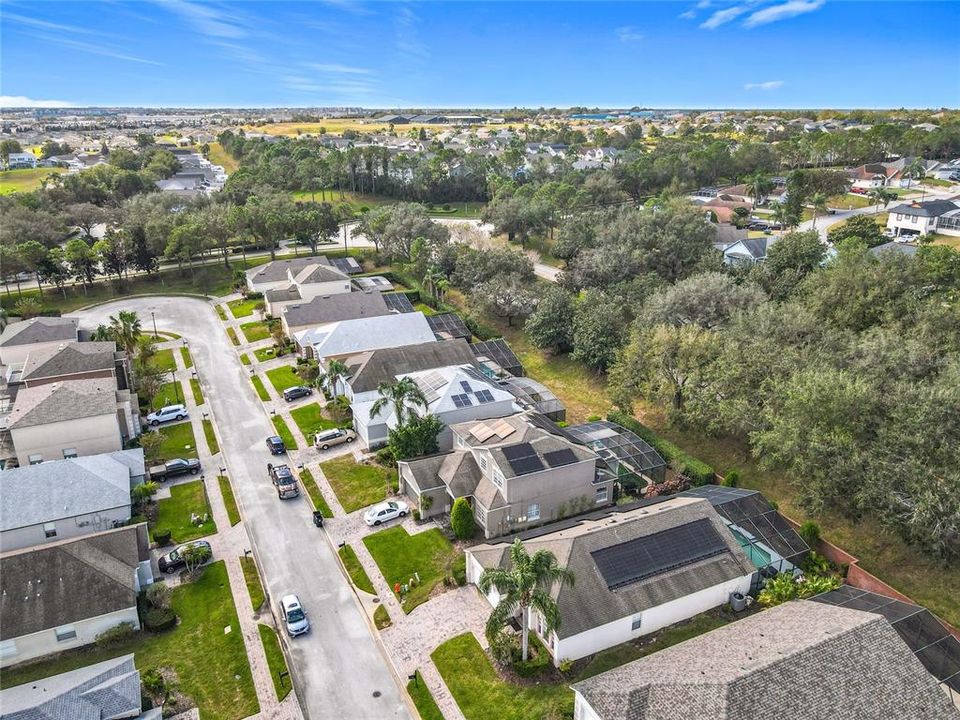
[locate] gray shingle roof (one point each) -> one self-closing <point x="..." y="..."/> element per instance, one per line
<point x="39" y="330"/>
<point x="69" y="358"/>
<point x="385" y="365"/>
<point x="319" y="273"/>
<point x="800" y="660"/>
<point x="334" y="308"/>
<point x="277" y="270"/>
<point x="66" y="582"/>
<point x="930" y="208"/>
<point x="67" y="400"/>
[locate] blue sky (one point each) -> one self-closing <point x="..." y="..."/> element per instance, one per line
<point x="698" y="53"/>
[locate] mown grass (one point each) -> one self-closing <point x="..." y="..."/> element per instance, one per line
<point x="311" y="419"/>
<point x="186" y="357"/>
<point x="381" y="618"/>
<point x="244" y="359"/>
<point x="275" y="660"/>
<point x="255" y="331"/>
<point x="313" y="490"/>
<point x="283" y="377"/>
<point x="164" y="361"/>
<point x="258" y="386"/>
<point x="25" y="180"/>
<point x="284" y="432"/>
<point x="242" y="307"/>
<point x="178" y="441"/>
<point x="170" y="393"/>
<point x="358" y="485"/>
<point x="232" y="334"/>
<point x="423" y="700"/>
<point x="358" y="576"/>
<point x="197" y="391"/>
<point x="264" y="354"/>
<point x="229" y="499"/>
<point x="251" y="576"/>
<point x="174" y="513"/>
<point x="210" y="434"/>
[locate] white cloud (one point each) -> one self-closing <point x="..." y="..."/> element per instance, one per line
<point x="340" y="69"/>
<point x="44" y="24"/>
<point x="688" y="15"/>
<point x="703" y="4"/>
<point x="786" y="10"/>
<point x="628" y="33"/>
<point x="408" y="37"/>
<point x="92" y="48"/>
<point x="768" y="85"/>
<point x="207" y="19"/>
<point x="722" y="17"/>
<point x="21" y="101"/>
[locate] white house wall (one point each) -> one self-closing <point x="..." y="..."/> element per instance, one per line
<point x="66" y="528"/>
<point x="90" y="436"/>
<point x="582" y="709"/>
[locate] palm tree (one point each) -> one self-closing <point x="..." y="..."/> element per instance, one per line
<point x="916" y="170"/>
<point x="880" y="196"/>
<point x="819" y="203"/>
<point x="782" y="216"/>
<point x="337" y="370"/>
<point x="758" y="185"/>
<point x="525" y="585"/>
<point x="404" y="395"/>
<point x="125" y="330"/>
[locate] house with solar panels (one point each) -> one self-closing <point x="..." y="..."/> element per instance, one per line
<point x="637" y="569"/>
<point x="516" y="472"/>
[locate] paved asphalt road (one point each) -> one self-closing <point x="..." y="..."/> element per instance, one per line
<point x="338" y="666"/>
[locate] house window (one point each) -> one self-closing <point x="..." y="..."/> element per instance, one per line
<point x="480" y="514"/>
<point x="497" y="477"/>
<point x="533" y="512"/>
<point x="69" y="453"/>
<point x="899" y="216"/>
<point x="601" y="495"/>
<point x="483" y="463"/>
<point x="635" y="625"/>
<point x="49" y="530"/>
<point x="913" y="219"/>
<point x="35" y="459"/>
<point x="67" y="632"/>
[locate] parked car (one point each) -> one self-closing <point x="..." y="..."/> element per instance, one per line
<point x="858" y="191"/>
<point x="275" y="445"/>
<point x="284" y="480"/>
<point x="382" y="512"/>
<point x="174" y="468"/>
<point x="295" y="392"/>
<point x="326" y="439"/>
<point x="294" y="616"/>
<point x="173" y="560"/>
<point x="167" y="413"/>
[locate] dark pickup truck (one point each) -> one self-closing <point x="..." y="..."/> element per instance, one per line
<point x="175" y="467"/>
<point x="284" y="480"/>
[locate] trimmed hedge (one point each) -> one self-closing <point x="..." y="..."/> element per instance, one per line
<point x="159" y="619"/>
<point x="696" y="470"/>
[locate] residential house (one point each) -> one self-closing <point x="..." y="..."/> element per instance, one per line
<point x="801" y="660"/>
<point x="63" y="499"/>
<point x="751" y="250"/>
<point x="70" y="419"/>
<point x="517" y="472"/>
<point x="62" y="595"/>
<point x="316" y="279"/>
<point x="454" y="394"/>
<point x="74" y="361"/>
<point x="922" y="218"/>
<point x="324" y="309"/>
<point x="898" y="247"/>
<point x="349" y="337"/>
<point x="722" y="208"/>
<point x="887" y="174"/>
<point x="637" y="569"/>
<point x="41" y="333"/>
<point x="280" y="274"/>
<point x="21" y="160"/>
<point x="105" y="690"/>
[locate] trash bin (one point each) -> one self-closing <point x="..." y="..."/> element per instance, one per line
<point x="318" y="518"/>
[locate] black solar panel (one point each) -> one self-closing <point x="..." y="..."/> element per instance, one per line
<point x="526" y="465"/>
<point x="500" y="353"/>
<point x="466" y="386"/>
<point x="461" y="400"/>
<point x="556" y="458"/>
<point x="398" y="302"/>
<point x="348" y="265"/>
<point x="483" y="396"/>
<point x="449" y="324"/>
<point x="645" y="557"/>
<point x="513" y="452"/>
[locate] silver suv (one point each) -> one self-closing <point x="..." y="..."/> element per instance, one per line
<point x="167" y="414"/>
<point x="337" y="436"/>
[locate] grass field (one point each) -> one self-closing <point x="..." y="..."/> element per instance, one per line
<point x="170" y="393"/>
<point x="219" y="156"/>
<point x="178" y="441"/>
<point x="336" y="126"/>
<point x="284" y="432"/>
<point x="311" y="419"/>
<point x="174" y="512"/>
<point x="381" y="618"/>
<point x="210" y="436"/>
<point x="211" y="666"/>
<point x="244" y="359"/>
<point x="358" y="485"/>
<point x="258" y="386"/>
<point x="313" y="490"/>
<point x="25" y="180"/>
<point x="263" y="354"/>
<point x="252" y="579"/>
<point x="164" y="360"/>
<point x="283" y="377"/>
<point x="243" y="308"/>
<point x="275" y="661"/>
<point x="232" y="334"/>
<point x="423" y="700"/>
<point x="255" y="331"/>
<point x="229" y="499"/>
<point x="187" y="359"/>
<point x="358" y="576"/>
<point x="197" y="391"/>
<point x="948" y="240"/>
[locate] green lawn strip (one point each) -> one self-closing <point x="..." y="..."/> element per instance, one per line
<point x="311" y="419"/>
<point x="381" y="618"/>
<point x="207" y="661"/>
<point x="158" y="337"/>
<point x="284" y="432"/>
<point x="174" y="512"/>
<point x="255" y="331"/>
<point x="243" y="308"/>
<point x="258" y="386"/>
<point x="275" y="660"/>
<point x="170" y="393"/>
<point x="313" y="490"/>
<point x="178" y="441"/>
<point x="355" y="570"/>
<point x="231" y="333"/>
<point x="244" y="359"/>
<point x="221" y="313"/>
<point x="164" y="360"/>
<point x="211" y="436"/>
<point x="251" y="577"/>
<point x="423" y="700"/>
<point x="358" y="485"/>
<point x="187" y="359"/>
<point x="197" y="392"/>
<point x="283" y="377"/>
<point x="264" y="354"/>
<point x="399" y="555"/>
<point x="229" y="499"/>
<point x="482" y="695"/>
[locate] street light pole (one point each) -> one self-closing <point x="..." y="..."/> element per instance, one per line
<point x="154" y="318"/>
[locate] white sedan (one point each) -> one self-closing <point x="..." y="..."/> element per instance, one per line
<point x="382" y="512"/>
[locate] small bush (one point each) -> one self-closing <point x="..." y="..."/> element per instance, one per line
<point x="115" y="636"/>
<point x="158" y="595"/>
<point x="593" y="418"/>
<point x="153" y="682"/>
<point x="817" y="564"/>
<point x="461" y="519"/>
<point x="731" y="479"/>
<point x="810" y="532"/>
<point x="416" y="515"/>
<point x="162" y="537"/>
<point x="159" y="619"/>
<point x="386" y="457"/>
<point x="504" y="647"/>
<point x="460" y="570"/>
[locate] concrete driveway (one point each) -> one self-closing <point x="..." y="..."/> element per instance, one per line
<point x="339" y="669"/>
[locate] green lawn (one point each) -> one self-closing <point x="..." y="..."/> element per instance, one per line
<point x="848" y="201"/>
<point x="255" y="331"/>
<point x="264" y="354"/>
<point x="381" y="618"/>
<point x="948" y="240"/>
<point x="185" y="356"/>
<point x="211" y="436"/>
<point x="358" y="485"/>
<point x="164" y="360"/>
<point x="170" y="393"/>
<point x="423" y="700"/>
<point x="232" y="334"/>
<point x="355" y="570"/>
<point x="283" y="377"/>
<point x="252" y="579"/>
<point x="196" y="390"/>
<point x="284" y="432"/>
<point x="312" y="419"/>
<point x="313" y="490"/>
<point x="244" y="359"/>
<point x="258" y="386"/>
<point x="211" y="666"/>
<point x="221" y="313"/>
<point x="275" y="660"/>
<point x="482" y="695"/>
<point x="243" y="308"/>
<point x="178" y="441"/>
<point x="399" y="555"/>
<point x="219" y="156"/>
<point x="173" y="513"/>
<point x="229" y="499"/>
<point x="25" y="180"/>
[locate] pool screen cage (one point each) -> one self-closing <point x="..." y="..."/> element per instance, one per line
<point x="628" y="455"/>
<point x="535" y="395"/>
<point x="934" y="646"/>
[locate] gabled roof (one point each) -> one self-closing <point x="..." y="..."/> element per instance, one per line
<point x="930" y="208"/>
<point x="38" y="330"/>
<point x="60" y="401"/>
<point x="369" y="333"/>
<point x="334" y="308"/>
<point x="800" y="660"/>
<point x="69" y="358"/>
<point x="277" y="270"/>
<point x="756" y="248"/>
<point x="894" y="247"/>
<point x="318" y="273"/>
<point x="372" y="368"/>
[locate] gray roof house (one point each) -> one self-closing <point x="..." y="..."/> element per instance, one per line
<point x="801" y="660"/>
<point x="76" y="361"/>
<point x="637" y="569"/>
<point x="331" y="308"/>
<point x="63" y="499"/>
<point x="62" y="595"/>
<point x="19" y="338"/>
<point x="747" y="251"/>
<point x="369" y="369"/>
<point x="297" y="280"/>
<point x="104" y="691"/>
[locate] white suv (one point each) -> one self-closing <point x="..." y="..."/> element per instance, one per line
<point x="167" y="413"/>
<point x="294" y="616"/>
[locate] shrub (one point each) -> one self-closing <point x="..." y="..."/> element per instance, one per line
<point x="594" y="418"/>
<point x="785" y="587"/>
<point x="153" y="682"/>
<point x="810" y="532"/>
<point x="117" y="635"/>
<point x="158" y="595"/>
<point x="416" y="515"/>
<point x="477" y="328"/>
<point x="460" y="570"/>
<point x="731" y="479"/>
<point x="538" y="661"/>
<point x="162" y="537"/>
<point x="386" y="457"/>
<point x="565" y="665"/>
<point x="461" y="519"/>
<point x="159" y="619"/>
<point x="504" y="647"/>
<point x="817" y="564"/>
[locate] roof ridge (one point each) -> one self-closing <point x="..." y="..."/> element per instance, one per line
<point x="99" y="560"/>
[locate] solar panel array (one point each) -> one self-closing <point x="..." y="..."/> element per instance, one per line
<point x="483" y="396"/>
<point x="617" y="446"/>
<point x="557" y="458"/>
<point x="462" y="400"/>
<point x="483" y="431"/>
<point x="500" y="353"/>
<point x="346" y="265"/>
<point x="398" y="302"/>
<point x="651" y="555"/>
<point x="522" y="458"/>
<point x="449" y="325"/>
<point x="430" y="384"/>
